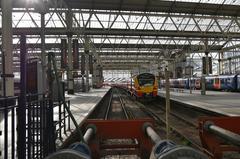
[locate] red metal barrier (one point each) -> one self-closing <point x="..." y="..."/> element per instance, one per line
<point x="120" y="129"/>
<point x="214" y="144"/>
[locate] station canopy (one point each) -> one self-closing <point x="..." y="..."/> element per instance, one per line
<point x="129" y="33"/>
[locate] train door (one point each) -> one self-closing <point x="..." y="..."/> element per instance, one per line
<point x="198" y="83"/>
<point x="209" y="83"/>
<point x="217" y="84"/>
<point x="222" y="83"/>
<point x="238" y="83"/>
<point x="229" y="83"/>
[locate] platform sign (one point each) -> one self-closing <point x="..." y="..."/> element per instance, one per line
<point x="179" y="72"/>
<point x="204" y="71"/>
<point x="63" y="53"/>
<point x="75" y="54"/>
<point x="205" y="64"/>
<point x="188" y="71"/>
<point x="91" y="64"/>
<point x="34" y="77"/>
<point x="210" y="64"/>
<point x="83" y="64"/>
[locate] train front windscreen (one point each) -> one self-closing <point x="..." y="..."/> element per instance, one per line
<point x="146" y="79"/>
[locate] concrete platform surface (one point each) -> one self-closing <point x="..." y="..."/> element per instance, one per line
<point x="227" y="103"/>
<point x="83" y="103"/>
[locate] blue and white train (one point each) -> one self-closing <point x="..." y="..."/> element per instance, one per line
<point x="221" y="82"/>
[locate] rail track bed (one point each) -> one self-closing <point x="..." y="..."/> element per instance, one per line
<point x="183" y="120"/>
<point x="119" y="105"/>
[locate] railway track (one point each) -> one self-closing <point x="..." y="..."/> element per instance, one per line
<point x="183" y="120"/>
<point x="116" y="108"/>
<point x="117" y="105"/>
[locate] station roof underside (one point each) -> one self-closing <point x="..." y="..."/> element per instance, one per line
<point x="146" y="6"/>
<point x="139" y="28"/>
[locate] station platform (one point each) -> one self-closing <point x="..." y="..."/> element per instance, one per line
<point x="226" y="103"/>
<point x="81" y="105"/>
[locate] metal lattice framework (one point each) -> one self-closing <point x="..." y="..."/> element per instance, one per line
<point x="128" y="33"/>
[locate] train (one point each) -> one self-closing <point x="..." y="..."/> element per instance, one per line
<point x="218" y="83"/>
<point x="144" y="85"/>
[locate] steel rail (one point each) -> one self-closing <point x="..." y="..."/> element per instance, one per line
<point x="161" y="120"/>
<point x="109" y="105"/>
<point x="123" y="105"/>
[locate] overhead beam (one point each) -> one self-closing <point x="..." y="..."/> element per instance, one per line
<point x="123" y="32"/>
<point x="195" y="47"/>
<point x="231" y="47"/>
<point x="144" y="6"/>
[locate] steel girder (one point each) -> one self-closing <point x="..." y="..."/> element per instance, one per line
<point x="193" y="47"/>
<point x="141" y="5"/>
<point x="124" y="32"/>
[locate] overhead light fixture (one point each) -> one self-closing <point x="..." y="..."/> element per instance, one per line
<point x="41" y="6"/>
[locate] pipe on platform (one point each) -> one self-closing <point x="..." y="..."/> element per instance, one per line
<point x="78" y="150"/>
<point x="227" y="135"/>
<point x="166" y="149"/>
<point x="91" y="130"/>
<point x="151" y="133"/>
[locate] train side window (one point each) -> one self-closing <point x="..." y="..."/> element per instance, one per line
<point x="211" y="81"/>
<point x="229" y="80"/>
<point x="222" y="81"/>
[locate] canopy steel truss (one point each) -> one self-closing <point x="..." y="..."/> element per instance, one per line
<point x="126" y="31"/>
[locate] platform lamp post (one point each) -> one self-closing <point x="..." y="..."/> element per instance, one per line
<point x="220" y="61"/>
<point x="191" y="74"/>
<point x="41" y="6"/>
<point x="230" y="65"/>
<point x="166" y="69"/>
<point x="86" y="51"/>
<point x="167" y="100"/>
<point x="7" y="69"/>
<point x="70" y="83"/>
<point x="205" y="68"/>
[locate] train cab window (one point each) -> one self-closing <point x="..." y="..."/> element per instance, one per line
<point x="146" y="79"/>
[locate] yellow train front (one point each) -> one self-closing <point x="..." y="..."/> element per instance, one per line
<point x="145" y="85"/>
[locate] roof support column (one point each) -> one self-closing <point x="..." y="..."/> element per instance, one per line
<point x="86" y="50"/>
<point x="69" y="16"/>
<point x="70" y="66"/>
<point x="174" y="68"/>
<point x="205" y="69"/>
<point x="43" y="53"/>
<point x="7" y="53"/>
<point x="230" y="65"/>
<point x="167" y="86"/>
<point x="220" y="62"/>
<point x="7" y="68"/>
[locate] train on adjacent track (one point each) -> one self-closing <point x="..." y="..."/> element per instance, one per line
<point x="218" y="83"/>
<point x="144" y="85"/>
